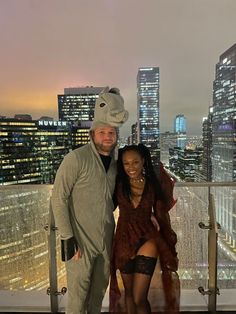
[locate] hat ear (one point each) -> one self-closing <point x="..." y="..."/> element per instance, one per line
<point x="114" y="90"/>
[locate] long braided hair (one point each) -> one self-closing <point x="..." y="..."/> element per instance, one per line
<point x="150" y="175"/>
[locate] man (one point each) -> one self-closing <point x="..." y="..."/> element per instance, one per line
<point x="83" y="207"/>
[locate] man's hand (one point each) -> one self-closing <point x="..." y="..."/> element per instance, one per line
<point x="78" y="255"/>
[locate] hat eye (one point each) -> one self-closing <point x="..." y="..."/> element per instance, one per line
<point x="102" y="104"/>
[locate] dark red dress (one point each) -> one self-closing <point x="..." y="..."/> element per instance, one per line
<point x="134" y="227"/>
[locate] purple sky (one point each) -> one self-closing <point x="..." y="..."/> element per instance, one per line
<point x="47" y="45"/>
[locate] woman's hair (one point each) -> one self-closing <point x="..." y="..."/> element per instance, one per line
<point x="149" y="171"/>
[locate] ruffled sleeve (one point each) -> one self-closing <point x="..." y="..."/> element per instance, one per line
<point x="167" y="241"/>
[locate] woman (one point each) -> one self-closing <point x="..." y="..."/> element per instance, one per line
<point x="143" y="232"/>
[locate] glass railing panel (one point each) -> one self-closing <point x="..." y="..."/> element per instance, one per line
<point x="191" y="209"/>
<point x="24" y="246"/>
<point x="225" y="207"/>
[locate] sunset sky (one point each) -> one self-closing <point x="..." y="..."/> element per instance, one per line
<point x="47" y="45"/>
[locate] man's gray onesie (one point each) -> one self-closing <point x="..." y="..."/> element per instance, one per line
<point x="83" y="208"/>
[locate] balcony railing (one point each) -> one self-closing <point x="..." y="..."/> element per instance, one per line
<point x="32" y="277"/>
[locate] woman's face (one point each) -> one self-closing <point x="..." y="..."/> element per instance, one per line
<point x="133" y="164"/>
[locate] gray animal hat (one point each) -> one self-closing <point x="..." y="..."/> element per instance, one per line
<point x="109" y="109"/>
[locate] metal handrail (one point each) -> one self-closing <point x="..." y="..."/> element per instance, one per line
<point x="212" y="228"/>
<point x="52" y="290"/>
<point x="212" y="256"/>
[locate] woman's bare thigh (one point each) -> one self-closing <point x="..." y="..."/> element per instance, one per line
<point x="149" y="248"/>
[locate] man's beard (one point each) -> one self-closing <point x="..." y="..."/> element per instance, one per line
<point x="105" y="148"/>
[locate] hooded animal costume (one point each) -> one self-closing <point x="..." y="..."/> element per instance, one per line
<point x="83" y="210"/>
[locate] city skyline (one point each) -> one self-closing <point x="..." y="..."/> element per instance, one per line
<point x="48" y="46"/>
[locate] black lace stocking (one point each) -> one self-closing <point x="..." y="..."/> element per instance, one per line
<point x="136" y="276"/>
<point x="145" y="264"/>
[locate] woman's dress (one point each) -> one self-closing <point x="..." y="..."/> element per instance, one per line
<point x="134" y="228"/>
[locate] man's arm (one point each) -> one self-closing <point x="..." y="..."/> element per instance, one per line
<point x="65" y="180"/>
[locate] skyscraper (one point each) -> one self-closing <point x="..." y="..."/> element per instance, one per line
<point x="148" y="81"/>
<point x="180" y="130"/>
<point x="224" y="118"/>
<point x="207" y="147"/>
<point x="134" y="134"/>
<point x="224" y="140"/>
<point x="180" y="124"/>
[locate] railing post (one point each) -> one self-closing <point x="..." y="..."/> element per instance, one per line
<point x="52" y="291"/>
<point x="212" y="255"/>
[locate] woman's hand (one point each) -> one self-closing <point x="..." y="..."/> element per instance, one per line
<point x="155" y="222"/>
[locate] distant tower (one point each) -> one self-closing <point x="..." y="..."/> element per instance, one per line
<point x="180" y="127"/>
<point x="207" y="147"/>
<point x="134" y="134"/>
<point x="180" y="124"/>
<point x="77" y="103"/>
<point x="148" y="82"/>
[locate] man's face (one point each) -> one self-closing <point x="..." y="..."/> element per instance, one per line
<point x="105" y="139"/>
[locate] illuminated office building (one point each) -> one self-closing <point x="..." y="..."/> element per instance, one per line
<point x="148" y="81"/>
<point x="134" y="134"/>
<point x="167" y="140"/>
<point x="180" y="124"/>
<point x="181" y="140"/>
<point x="80" y="133"/>
<point x="180" y="129"/>
<point x="31" y="151"/>
<point x="207" y="147"/>
<point x="186" y="163"/>
<point x="77" y="103"/>
<point x="224" y="118"/>
<point x="224" y="139"/>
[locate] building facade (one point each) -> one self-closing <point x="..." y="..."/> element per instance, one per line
<point x="180" y="124"/>
<point x="134" y="134"/>
<point x="77" y="103"/>
<point x="224" y="118"/>
<point x="148" y="82"/>
<point x="186" y="163"/>
<point x="224" y="140"/>
<point x="31" y="151"/>
<point x="180" y="128"/>
<point x="207" y="147"/>
<point x="167" y="140"/>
